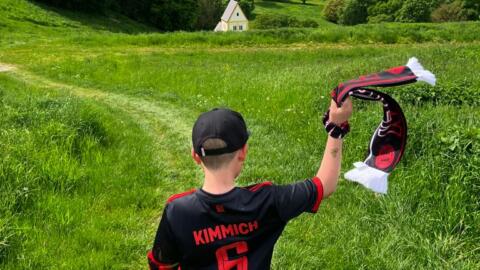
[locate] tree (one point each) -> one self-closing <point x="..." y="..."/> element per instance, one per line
<point x="80" y="5"/>
<point x="138" y="10"/>
<point x="332" y="10"/>
<point x="170" y="15"/>
<point x="166" y="15"/>
<point x="472" y="9"/>
<point x="384" y="11"/>
<point x="209" y="12"/>
<point x="415" y="11"/>
<point x="354" y="12"/>
<point x="450" y="12"/>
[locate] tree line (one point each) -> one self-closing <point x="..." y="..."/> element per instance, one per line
<point x="166" y="15"/>
<point x="350" y="12"/>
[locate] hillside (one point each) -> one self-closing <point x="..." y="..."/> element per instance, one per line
<point x="30" y="18"/>
<point x="311" y="10"/>
<point x="95" y="124"/>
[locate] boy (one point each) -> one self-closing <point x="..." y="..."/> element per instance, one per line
<point x="220" y="226"/>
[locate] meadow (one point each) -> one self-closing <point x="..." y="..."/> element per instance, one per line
<point x="95" y="122"/>
<point x="310" y="10"/>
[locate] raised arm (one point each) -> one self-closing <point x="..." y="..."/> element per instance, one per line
<point x="329" y="170"/>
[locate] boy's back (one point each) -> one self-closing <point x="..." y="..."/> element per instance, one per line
<point x="221" y="226"/>
<point x="235" y="230"/>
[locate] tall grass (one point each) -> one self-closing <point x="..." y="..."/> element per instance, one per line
<point x="72" y="188"/>
<point x="361" y="34"/>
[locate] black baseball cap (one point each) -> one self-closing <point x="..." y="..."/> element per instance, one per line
<point x="219" y="123"/>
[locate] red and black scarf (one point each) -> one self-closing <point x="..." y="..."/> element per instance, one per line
<point x="389" y="140"/>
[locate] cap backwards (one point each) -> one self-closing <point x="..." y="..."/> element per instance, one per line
<point x="223" y="124"/>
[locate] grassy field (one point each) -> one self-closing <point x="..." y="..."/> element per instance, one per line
<point x="95" y="124"/>
<point x="311" y="10"/>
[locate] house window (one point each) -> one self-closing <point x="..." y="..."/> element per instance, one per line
<point x="238" y="14"/>
<point x="234" y="28"/>
<point x="241" y="27"/>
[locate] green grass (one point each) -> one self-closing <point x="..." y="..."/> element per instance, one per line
<point x="311" y="10"/>
<point x="391" y="33"/>
<point x="27" y="21"/>
<point x="24" y="24"/>
<point x="95" y="136"/>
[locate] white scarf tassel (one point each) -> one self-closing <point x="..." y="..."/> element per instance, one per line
<point x="371" y="178"/>
<point x="421" y="73"/>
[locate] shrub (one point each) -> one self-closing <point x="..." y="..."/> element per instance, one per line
<point x="332" y="10"/>
<point x="170" y="15"/>
<point x="381" y="18"/>
<point x="449" y="13"/>
<point x="472" y="9"/>
<point x="266" y="21"/>
<point x="269" y="21"/>
<point x="415" y="11"/>
<point x="309" y="23"/>
<point x="209" y="12"/>
<point x="384" y="11"/>
<point x="354" y="12"/>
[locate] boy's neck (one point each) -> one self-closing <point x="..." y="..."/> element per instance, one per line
<point x="218" y="182"/>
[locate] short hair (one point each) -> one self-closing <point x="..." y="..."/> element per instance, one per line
<point x="217" y="161"/>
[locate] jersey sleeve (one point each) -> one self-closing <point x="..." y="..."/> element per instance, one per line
<point x="164" y="254"/>
<point x="293" y="199"/>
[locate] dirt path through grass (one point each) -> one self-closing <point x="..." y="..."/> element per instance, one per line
<point x="167" y="124"/>
<point x="5" y="68"/>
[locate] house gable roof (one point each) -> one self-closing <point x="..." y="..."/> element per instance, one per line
<point x="229" y="10"/>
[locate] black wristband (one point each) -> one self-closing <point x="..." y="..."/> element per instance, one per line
<point x="334" y="131"/>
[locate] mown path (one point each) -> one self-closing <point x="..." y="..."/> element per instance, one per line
<point x="5" y="68"/>
<point x="168" y="125"/>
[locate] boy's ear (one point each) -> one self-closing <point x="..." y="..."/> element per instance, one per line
<point x="196" y="157"/>
<point x="243" y="153"/>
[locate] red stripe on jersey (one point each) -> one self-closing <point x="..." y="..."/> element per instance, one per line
<point x="158" y="265"/>
<point x="179" y="195"/>
<point x="259" y="186"/>
<point x="319" y="186"/>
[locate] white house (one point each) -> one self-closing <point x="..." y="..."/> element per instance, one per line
<point x="232" y="19"/>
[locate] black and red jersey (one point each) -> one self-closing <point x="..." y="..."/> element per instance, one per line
<point x="234" y="230"/>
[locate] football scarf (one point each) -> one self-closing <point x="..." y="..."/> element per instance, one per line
<point x="389" y="139"/>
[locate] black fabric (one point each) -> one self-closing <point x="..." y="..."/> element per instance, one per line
<point x="392" y="77"/>
<point x="222" y="124"/>
<point x="387" y="144"/>
<point x="334" y="131"/>
<point x="389" y="140"/>
<point x="292" y="200"/>
<point x="166" y="251"/>
<point x="205" y="231"/>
